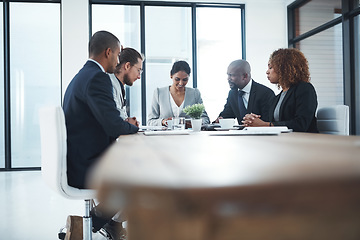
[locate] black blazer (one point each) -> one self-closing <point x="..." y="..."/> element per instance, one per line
<point x="259" y="102"/>
<point x="298" y="108"/>
<point x="92" y="121"/>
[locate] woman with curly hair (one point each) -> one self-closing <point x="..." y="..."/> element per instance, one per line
<point x="296" y="104"/>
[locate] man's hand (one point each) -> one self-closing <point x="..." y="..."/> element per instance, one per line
<point x="253" y="120"/>
<point x="217" y="120"/>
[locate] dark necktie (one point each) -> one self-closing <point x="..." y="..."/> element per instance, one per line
<point x="242" y="108"/>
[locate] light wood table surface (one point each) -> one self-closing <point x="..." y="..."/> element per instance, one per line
<point x="198" y="186"/>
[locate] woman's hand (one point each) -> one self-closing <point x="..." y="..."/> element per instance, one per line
<point x="164" y="123"/>
<point x="253" y="120"/>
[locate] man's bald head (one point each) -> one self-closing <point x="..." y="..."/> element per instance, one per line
<point x="239" y="73"/>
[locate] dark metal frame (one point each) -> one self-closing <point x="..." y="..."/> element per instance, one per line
<point x="7" y="115"/>
<point x="7" y="89"/>
<point x="193" y="7"/>
<point x="350" y="9"/>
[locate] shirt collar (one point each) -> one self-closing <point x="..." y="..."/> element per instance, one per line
<point x="101" y="67"/>
<point x="247" y="88"/>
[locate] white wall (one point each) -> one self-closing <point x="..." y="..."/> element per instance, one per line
<point x="75" y="37"/>
<point x="266" y="30"/>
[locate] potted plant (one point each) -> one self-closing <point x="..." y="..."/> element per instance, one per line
<point x="195" y="111"/>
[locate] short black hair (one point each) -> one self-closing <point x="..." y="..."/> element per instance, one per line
<point x="180" y="66"/>
<point x="101" y="41"/>
<point x="128" y="55"/>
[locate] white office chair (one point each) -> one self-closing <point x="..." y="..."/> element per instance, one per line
<point x="53" y="162"/>
<point x="333" y="120"/>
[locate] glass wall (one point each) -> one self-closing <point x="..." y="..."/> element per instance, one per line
<point x="34" y="74"/>
<point x="315" y="13"/>
<point x="332" y="50"/>
<point x="168" y="39"/>
<point x="123" y="22"/>
<point x="2" y="115"/>
<point x="324" y="53"/>
<point x="219" y="43"/>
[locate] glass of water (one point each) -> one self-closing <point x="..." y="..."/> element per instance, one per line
<point x="179" y="123"/>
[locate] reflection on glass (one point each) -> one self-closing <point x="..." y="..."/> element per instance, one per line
<point x="2" y="113"/>
<point x="123" y="22"/>
<point x="34" y="74"/>
<point x="217" y="47"/>
<point x="168" y="39"/>
<point x="324" y="53"/>
<point x="315" y="13"/>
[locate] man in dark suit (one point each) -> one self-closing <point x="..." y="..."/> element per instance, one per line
<point x="246" y="95"/>
<point x="92" y="119"/>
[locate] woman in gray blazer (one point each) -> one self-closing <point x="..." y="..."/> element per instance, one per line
<point x="168" y="102"/>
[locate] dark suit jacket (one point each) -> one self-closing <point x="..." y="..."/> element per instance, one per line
<point x="298" y="108"/>
<point x="259" y="102"/>
<point x="92" y="121"/>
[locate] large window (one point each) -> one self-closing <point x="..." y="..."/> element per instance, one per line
<point x="34" y="75"/>
<point x="177" y="31"/>
<point x="123" y="22"/>
<point x="168" y="39"/>
<point x="219" y="43"/>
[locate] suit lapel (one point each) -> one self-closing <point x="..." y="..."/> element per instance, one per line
<point x="273" y="106"/>
<point x="252" y="97"/>
<point x="169" y="101"/>
<point x="288" y="94"/>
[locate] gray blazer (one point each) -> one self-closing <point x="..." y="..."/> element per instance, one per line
<point x="161" y="106"/>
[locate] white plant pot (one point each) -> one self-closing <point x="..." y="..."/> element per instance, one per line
<point x="196" y="124"/>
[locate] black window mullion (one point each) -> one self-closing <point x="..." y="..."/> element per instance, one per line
<point x="194" y="44"/>
<point x="243" y="38"/>
<point x="143" y="77"/>
<point x="348" y="63"/>
<point x="7" y="109"/>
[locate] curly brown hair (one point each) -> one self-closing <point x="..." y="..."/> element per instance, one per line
<point x="291" y="66"/>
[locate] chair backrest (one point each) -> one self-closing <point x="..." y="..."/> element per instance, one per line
<point x="333" y="120"/>
<point x="53" y="153"/>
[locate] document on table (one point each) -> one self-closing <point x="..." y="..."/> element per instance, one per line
<point x="242" y="133"/>
<point x="167" y="132"/>
<point x="152" y="128"/>
<point x="282" y="129"/>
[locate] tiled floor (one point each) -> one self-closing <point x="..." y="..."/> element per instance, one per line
<point x="29" y="209"/>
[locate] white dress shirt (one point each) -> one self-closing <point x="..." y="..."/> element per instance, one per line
<point x="246" y="94"/>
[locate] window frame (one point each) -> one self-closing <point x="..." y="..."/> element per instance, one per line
<point x="7" y="88"/>
<point x="193" y="6"/>
<point x="351" y="82"/>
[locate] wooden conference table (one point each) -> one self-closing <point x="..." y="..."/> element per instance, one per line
<point x="204" y="187"/>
